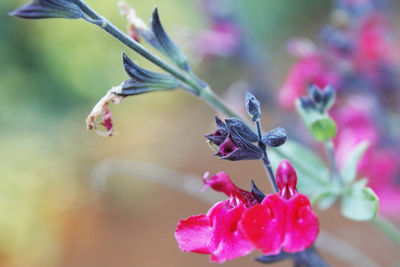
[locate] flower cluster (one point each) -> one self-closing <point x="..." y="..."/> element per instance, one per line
<point x="245" y="221"/>
<point x="357" y="55"/>
<point x="381" y="164"/>
<point x="357" y="50"/>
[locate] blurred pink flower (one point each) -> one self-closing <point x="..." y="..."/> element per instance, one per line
<point x="383" y="170"/>
<point x="310" y="68"/>
<point x="355" y="125"/>
<point x="374" y="47"/>
<point x="221" y="39"/>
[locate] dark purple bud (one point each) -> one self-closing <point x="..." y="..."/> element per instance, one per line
<point x="220" y="134"/>
<point x="234" y="149"/>
<point x="328" y="97"/>
<point x="253" y="106"/>
<point x="43" y="9"/>
<point x="166" y="45"/>
<point x="315" y="93"/>
<point x="275" y="258"/>
<point x="241" y="129"/>
<point x="221" y="125"/>
<point x="307" y="104"/>
<point x="275" y="137"/>
<point x="227" y="147"/>
<point x="216" y="137"/>
<point x="257" y="193"/>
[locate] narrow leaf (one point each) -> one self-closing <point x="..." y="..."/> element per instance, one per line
<point x="169" y="48"/>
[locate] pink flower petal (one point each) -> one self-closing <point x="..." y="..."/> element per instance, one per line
<point x="302" y="226"/>
<point x="194" y="234"/>
<point x="227" y="242"/>
<point x="263" y="224"/>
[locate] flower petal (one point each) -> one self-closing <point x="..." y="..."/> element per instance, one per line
<point x="302" y="225"/>
<point x="194" y="234"/>
<point x="227" y="242"/>
<point x="263" y="224"/>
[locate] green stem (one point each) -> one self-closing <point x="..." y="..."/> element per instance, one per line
<point x="388" y="228"/>
<point x="135" y="46"/>
<point x="215" y="101"/>
<point x="265" y="159"/>
<point x="330" y="152"/>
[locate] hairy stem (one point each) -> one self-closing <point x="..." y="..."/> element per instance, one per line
<point x="265" y="159"/>
<point x="135" y="46"/>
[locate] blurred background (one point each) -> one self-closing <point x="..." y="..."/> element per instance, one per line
<point x="58" y="208"/>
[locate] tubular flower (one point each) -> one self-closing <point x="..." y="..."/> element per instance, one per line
<point x="236" y="226"/>
<point x="284" y="220"/>
<point x="216" y="233"/>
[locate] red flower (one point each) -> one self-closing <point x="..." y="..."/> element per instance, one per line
<point x="284" y="220"/>
<point x="216" y="233"/>
<point x="234" y="227"/>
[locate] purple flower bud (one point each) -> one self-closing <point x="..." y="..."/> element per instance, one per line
<point x="275" y="137"/>
<point x="253" y="106"/>
<point x="234" y="148"/>
<point x="220" y="134"/>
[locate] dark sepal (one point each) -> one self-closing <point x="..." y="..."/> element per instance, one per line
<point x="43" y="9"/>
<point x="219" y="136"/>
<point x="275" y="137"/>
<point x="257" y="193"/>
<point x="244" y="151"/>
<point x="315" y="93"/>
<point x="309" y="258"/>
<point x="221" y="125"/>
<point x="215" y="138"/>
<point x="143" y="81"/>
<point x="307" y="104"/>
<point x="274" y="258"/>
<point x="328" y="97"/>
<point x="168" y="47"/>
<point x="253" y="106"/>
<point x="241" y="129"/>
<point x="306" y="258"/>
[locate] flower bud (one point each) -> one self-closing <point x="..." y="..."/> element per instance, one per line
<point x="253" y="106"/>
<point x="275" y="137"/>
<point x="286" y="179"/>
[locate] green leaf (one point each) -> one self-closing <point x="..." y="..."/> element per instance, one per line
<point x="321" y="126"/>
<point x="326" y="198"/>
<point x="359" y="202"/>
<point x="349" y="171"/>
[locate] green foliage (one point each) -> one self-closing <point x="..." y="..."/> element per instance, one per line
<point x="349" y="171"/>
<point x="312" y="172"/>
<point x="359" y="202"/>
<point x="321" y="126"/>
